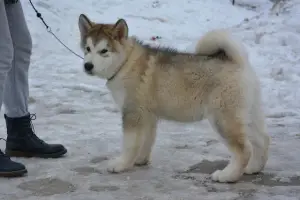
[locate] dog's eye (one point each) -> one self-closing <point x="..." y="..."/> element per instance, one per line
<point x="88" y="49"/>
<point x="103" y="51"/>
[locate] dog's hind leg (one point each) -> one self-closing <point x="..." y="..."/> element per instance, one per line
<point x="147" y="142"/>
<point x="259" y="140"/>
<point x="232" y="129"/>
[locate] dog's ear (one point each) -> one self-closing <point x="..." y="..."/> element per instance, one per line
<point x="84" y="24"/>
<point x="120" y="30"/>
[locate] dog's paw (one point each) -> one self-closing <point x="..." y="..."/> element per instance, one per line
<point x="224" y="176"/>
<point x="142" y="162"/>
<point x="254" y="168"/>
<point x="118" y="165"/>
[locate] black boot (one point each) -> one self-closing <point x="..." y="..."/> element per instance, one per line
<point x="22" y="141"/>
<point x="9" y="168"/>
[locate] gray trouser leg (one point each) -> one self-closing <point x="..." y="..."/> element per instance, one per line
<point x="16" y="90"/>
<point x="6" y="49"/>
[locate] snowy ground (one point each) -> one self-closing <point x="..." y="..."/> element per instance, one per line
<point x="77" y="110"/>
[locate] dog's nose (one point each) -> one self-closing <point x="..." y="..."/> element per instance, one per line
<point x="88" y="66"/>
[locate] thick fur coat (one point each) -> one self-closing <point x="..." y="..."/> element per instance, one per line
<point x="216" y="82"/>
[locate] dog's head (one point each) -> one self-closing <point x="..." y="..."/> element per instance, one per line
<point x="103" y="46"/>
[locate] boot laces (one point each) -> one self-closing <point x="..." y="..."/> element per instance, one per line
<point x="32" y="132"/>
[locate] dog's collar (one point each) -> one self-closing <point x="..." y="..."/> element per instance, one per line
<point x="113" y="76"/>
<point x="125" y="61"/>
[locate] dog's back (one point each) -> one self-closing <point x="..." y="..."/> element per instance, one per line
<point x="187" y="86"/>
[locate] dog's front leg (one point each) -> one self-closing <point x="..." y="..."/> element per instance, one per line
<point x="132" y="126"/>
<point x="147" y="141"/>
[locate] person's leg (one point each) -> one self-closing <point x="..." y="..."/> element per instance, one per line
<point x="21" y="140"/>
<point x="7" y="166"/>
<point x="16" y="91"/>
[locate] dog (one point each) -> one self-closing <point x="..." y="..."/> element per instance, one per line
<point x="216" y="82"/>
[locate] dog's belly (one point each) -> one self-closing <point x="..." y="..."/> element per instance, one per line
<point x="182" y="113"/>
<point x="180" y="104"/>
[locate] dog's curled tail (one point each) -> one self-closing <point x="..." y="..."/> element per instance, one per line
<point x="216" y="40"/>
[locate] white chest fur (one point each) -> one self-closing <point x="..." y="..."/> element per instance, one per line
<point x="118" y="92"/>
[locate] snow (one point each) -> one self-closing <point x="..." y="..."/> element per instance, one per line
<point x="77" y="110"/>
